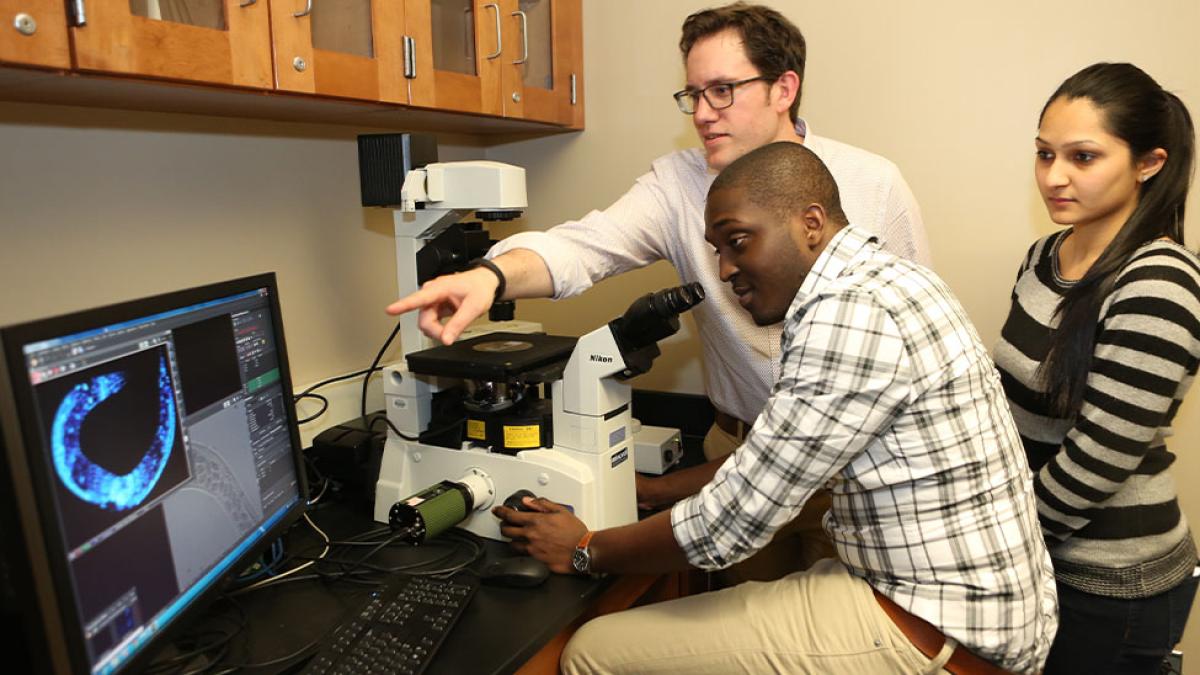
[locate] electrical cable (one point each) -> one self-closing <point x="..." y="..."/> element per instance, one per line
<point x="324" y="487"/>
<point x="295" y="654"/>
<point x="322" y="478"/>
<point x="356" y="570"/>
<point x="266" y="567"/>
<point x="350" y="569"/>
<point x="221" y="643"/>
<point x="366" y="375"/>
<point x="308" y="392"/>
<point x="436" y="432"/>
<point x="367" y="378"/>
<point x="338" y="378"/>
<point x="213" y="661"/>
<point x="324" y="406"/>
<point x="283" y="575"/>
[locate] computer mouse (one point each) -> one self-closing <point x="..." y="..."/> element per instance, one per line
<point x="516" y="572"/>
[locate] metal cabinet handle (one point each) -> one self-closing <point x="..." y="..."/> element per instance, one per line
<point x="410" y="57"/>
<point x="79" y="13"/>
<point x="499" y="44"/>
<point x="247" y="3"/>
<point x="524" y="37"/>
<point x="306" y="12"/>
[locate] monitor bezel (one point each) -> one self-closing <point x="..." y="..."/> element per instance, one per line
<point x="41" y="578"/>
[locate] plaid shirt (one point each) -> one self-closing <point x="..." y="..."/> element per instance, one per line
<point x="887" y="396"/>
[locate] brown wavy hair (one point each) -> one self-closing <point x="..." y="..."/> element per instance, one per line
<point x="772" y="43"/>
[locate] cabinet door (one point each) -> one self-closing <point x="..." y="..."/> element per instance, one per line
<point x="457" y="47"/>
<point x="215" y="41"/>
<point x="543" y="65"/>
<point x="347" y="48"/>
<point x="34" y="33"/>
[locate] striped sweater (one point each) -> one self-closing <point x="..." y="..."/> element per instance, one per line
<point x="1105" y="499"/>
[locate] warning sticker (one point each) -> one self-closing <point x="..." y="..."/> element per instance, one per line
<point x="524" y="436"/>
<point x="477" y="429"/>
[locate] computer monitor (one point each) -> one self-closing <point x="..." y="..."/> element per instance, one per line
<point x="150" y="454"/>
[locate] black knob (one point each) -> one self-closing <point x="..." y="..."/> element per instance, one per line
<point x="515" y="500"/>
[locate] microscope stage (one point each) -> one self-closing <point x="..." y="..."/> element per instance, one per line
<point x="494" y="357"/>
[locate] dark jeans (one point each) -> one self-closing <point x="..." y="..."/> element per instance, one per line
<point x="1107" y="635"/>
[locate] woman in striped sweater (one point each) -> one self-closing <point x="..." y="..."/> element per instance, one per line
<point x="1100" y="345"/>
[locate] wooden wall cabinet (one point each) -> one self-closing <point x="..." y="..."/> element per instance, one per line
<point x="346" y="48"/>
<point x="225" y="42"/>
<point x="34" y="33"/>
<point x="520" y="59"/>
<point x="543" y="65"/>
<point x="514" y="60"/>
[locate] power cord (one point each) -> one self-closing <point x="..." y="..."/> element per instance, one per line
<point x="213" y="645"/>
<point x="307" y="394"/>
<point x="374" y="365"/>
<point x="366" y="375"/>
<point x="284" y="575"/>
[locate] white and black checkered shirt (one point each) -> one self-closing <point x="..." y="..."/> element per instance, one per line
<point x="887" y="396"/>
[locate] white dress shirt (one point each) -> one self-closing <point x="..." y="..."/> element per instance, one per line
<point x="662" y="218"/>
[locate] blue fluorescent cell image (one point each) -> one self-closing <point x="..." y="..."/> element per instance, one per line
<point x="92" y="482"/>
<point x="115" y="438"/>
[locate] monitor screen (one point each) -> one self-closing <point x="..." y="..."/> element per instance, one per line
<point x="159" y="442"/>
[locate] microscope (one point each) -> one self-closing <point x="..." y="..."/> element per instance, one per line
<point x="501" y="414"/>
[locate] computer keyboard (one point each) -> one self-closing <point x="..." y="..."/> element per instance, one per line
<point x="398" y="629"/>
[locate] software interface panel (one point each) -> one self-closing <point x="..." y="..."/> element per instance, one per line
<point x="170" y="447"/>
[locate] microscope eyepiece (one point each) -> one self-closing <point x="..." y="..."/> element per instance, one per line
<point x="654" y="316"/>
<point x="673" y="301"/>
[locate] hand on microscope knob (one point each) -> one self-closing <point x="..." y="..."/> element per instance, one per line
<point x="516" y="501"/>
<point x="463" y="297"/>
<point x="549" y="532"/>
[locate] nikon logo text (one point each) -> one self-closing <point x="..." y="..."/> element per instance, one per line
<point x="601" y="359"/>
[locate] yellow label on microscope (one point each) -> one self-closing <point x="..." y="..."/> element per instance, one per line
<point x="525" y="436"/>
<point x="477" y="429"/>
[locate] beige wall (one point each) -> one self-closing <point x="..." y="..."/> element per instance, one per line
<point x="97" y="206"/>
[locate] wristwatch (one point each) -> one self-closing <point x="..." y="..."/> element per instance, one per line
<point x="581" y="559"/>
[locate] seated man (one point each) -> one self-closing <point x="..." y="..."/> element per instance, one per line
<point x="887" y="397"/>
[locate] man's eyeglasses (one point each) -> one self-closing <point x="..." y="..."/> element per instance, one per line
<point x="719" y="95"/>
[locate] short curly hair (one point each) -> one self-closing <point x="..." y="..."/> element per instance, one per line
<point x="772" y="43"/>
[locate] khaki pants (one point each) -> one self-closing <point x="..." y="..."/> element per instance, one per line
<point x="823" y="620"/>
<point x="796" y="546"/>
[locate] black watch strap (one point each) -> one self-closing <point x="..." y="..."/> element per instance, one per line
<point x="495" y="269"/>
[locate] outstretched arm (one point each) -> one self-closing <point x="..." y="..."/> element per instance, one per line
<point x="461" y="298"/>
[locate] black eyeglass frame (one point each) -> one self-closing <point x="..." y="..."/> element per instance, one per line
<point x="688" y="98"/>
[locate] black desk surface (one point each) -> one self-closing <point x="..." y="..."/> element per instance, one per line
<point x="499" y="630"/>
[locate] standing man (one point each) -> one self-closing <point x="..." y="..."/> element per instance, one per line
<point x="745" y="70"/>
<point x="885" y="393"/>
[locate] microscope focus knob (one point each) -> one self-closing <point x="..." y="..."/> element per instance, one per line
<point x="516" y="502"/>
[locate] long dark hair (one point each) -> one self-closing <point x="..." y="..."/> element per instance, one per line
<point x="1141" y="113"/>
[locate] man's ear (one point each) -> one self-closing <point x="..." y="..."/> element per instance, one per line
<point x="788" y="86"/>
<point x="808" y="227"/>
